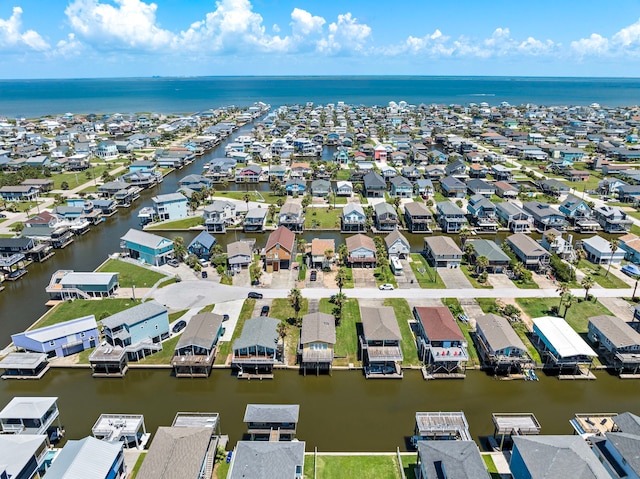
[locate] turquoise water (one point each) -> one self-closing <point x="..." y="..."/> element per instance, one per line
<point x="174" y="95"/>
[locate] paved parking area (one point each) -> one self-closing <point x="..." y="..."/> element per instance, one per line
<point x="363" y="278"/>
<point x="500" y="280"/>
<point x="232" y="308"/>
<point x="405" y="279"/>
<point x="318" y="283"/>
<point x="242" y="278"/>
<point x="454" y="278"/>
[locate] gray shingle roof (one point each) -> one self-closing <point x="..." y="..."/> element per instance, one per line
<point x="460" y="459"/>
<point x="628" y="422"/>
<point x="489" y="249"/>
<point x="616" y="330"/>
<point x="380" y="323"/>
<point x="202" y="331"/>
<point x="266" y="460"/>
<point x="143" y="238"/>
<point x="498" y="332"/>
<point x="134" y="315"/>
<point x="272" y="413"/>
<point x="318" y="327"/>
<point x="258" y="331"/>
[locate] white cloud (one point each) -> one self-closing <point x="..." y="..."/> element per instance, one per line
<point x="345" y="35"/>
<point x="628" y="36"/>
<point x="303" y="23"/>
<point x="129" y="24"/>
<point x="69" y="46"/>
<point x="11" y="35"/>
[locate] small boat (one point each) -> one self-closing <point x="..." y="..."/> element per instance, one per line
<point x="526" y="375"/>
<point x="533" y="375"/>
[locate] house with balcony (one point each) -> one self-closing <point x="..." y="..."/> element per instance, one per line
<point x="23" y="456"/>
<point x="380" y="349"/>
<point x="257" y="349"/>
<point x="353" y="218"/>
<point x="599" y="251"/>
<point x="248" y="174"/>
<point x="197" y="347"/>
<point x="68" y="285"/>
<point x="147" y="247"/>
<point x="317" y="341"/>
<point x="362" y="251"/>
<point x="320" y="188"/>
<point x="344" y="188"/>
<point x="561" y="347"/>
<point x="218" y="215"/>
<point x="501" y="173"/>
<point x="628" y="243"/>
<point x="400" y="187"/>
<point x="172" y="206"/>
<point x="374" y="185"/>
<point x="506" y="190"/>
<point x="32" y="416"/>
<point x="617" y="342"/>
<point x="202" y="245"/>
<point x="453" y="188"/>
<point x="279" y="250"/>
<point x="442" y="252"/>
<point x="481" y="187"/>
<point x="451" y="218"/>
<point x="417" y="217"/>
<point x="617" y="449"/>
<point x="19" y="193"/>
<point x="483" y="213"/>
<point x="271" y="422"/>
<point x="529" y="252"/>
<point x="60" y="339"/>
<point x="612" y="219"/>
<point x="138" y="330"/>
<point x="513" y="217"/>
<point x="386" y="217"/>
<point x="440" y="342"/>
<point x="499" y="346"/>
<point x="498" y="259"/>
<point x="323" y="252"/>
<point x="544" y="216"/>
<point x="239" y="255"/>
<point x="578" y="213"/>
<point x="296" y="186"/>
<point x="106" y="150"/>
<point x="106" y="459"/>
<point x="397" y="245"/>
<point x="195" y="182"/>
<point x="255" y="220"/>
<point x="291" y="216"/>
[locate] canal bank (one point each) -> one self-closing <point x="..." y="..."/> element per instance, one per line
<point x="342" y="412"/>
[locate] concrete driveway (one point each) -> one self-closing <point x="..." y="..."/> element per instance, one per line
<point x="232" y="308"/>
<point x="363" y="278"/>
<point x="408" y="278"/>
<point x="284" y="279"/>
<point x="454" y="278"/>
<point x="500" y="280"/>
<point x="242" y="278"/>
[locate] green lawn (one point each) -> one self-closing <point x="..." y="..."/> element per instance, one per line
<point x="523" y="332"/>
<point x="344" y="174"/>
<point x="322" y="218"/>
<point x="138" y="465"/>
<point x="281" y="309"/>
<point x="409" y="464"/>
<point x="470" y="272"/>
<point x="337" y="200"/>
<point x="425" y="274"/>
<point x="130" y="274"/>
<point x="384" y="275"/>
<point x="225" y="347"/>
<point x="80" y="178"/>
<point x="181" y="224"/>
<point x="362" y="467"/>
<point x="577" y="316"/>
<point x="207" y="309"/>
<point x="222" y="468"/>
<point x="84" y="307"/>
<point x="266" y="197"/>
<point x="471" y="348"/>
<point x="164" y="356"/>
<point x="522" y="285"/>
<point x="403" y="315"/>
<point x="599" y="275"/>
<point x="491" y="467"/>
<point x="346" y="348"/>
<point x="176" y="315"/>
<point x="348" y="283"/>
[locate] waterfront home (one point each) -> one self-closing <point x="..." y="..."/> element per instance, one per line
<point x="127" y="429"/>
<point x="386" y="217"/>
<point x="255" y="220"/>
<point x="434" y="172"/>
<point x="629" y="193"/>
<point x="618" y="449"/>
<point x="397" y="245"/>
<point x="353" y="218"/>
<point x="202" y="245"/>
<point x="296" y="186"/>
<point x="291" y="216"/>
<point x="362" y="251"/>
<point x="277" y="172"/>
<point x="441" y="426"/>
<point x="320" y="188"/>
<point x="424" y="188"/>
<point x="374" y="185"/>
<point x="43" y="184"/>
<point x="139" y="330"/>
<point x="106" y="460"/>
<point x="19" y="193"/>
<point x="599" y="251"/>
<point x="344" y="188"/>
<point x="480" y="187"/>
<point x="442" y="252"/>
<point x="441" y="345"/>
<point x="554" y="187"/>
<point x="560" y="346"/>
<point x="451" y="218"/>
<point x="106" y="150"/>
<point x="506" y="190"/>
<point x="248" y="174"/>
<point x="544" y="216"/>
<point x="617" y="341"/>
<point x="457" y="168"/>
<point x="317" y="340"/>
<point x="460" y="459"/>
<point x="256" y="350"/>
<point x="24" y="366"/>
<point x="499" y="345"/>
<point x="612" y="219"/>
<point x="239" y="255"/>
<point x="300" y="170"/>
<point x="282" y="460"/>
<point x="218" y="215"/>
<point x="477" y="170"/>
<point x="400" y="187"/>
<point x="483" y="212"/>
<point x="514" y="217"/>
<point x="172" y="206"/>
<point x="278" y="252"/>
<point x="578" y="212"/>
<point x="69" y="285"/>
<point x="529" y="251"/>
<point x="417" y="217"/>
<point x="196" y="349"/>
<point x="60" y="339"/>
<point x="118" y="190"/>
<point x="272" y="422"/>
<point x="221" y="168"/>
<point x="323" y="252"/>
<point x="23" y="456"/>
<point x="108" y="361"/>
<point x="628" y="243"/>
<point x="32" y="416"/>
<point x="24" y="246"/>
<point x="553" y="242"/>
<point x="380" y="343"/>
<point x="146" y="247"/>
<point x="453" y="187"/>
<point x="501" y="173"/>
<point x="542" y="457"/>
<point x="184" y="452"/>
<point x="195" y="182"/>
<point x="498" y="259"/>
<point x="411" y="173"/>
<point x="106" y="207"/>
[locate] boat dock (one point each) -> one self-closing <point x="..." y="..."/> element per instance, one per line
<point x="593" y="424"/>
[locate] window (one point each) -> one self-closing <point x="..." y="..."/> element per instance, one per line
<point x="82" y="334"/>
<point x="156" y="326"/>
<point x="52" y="343"/>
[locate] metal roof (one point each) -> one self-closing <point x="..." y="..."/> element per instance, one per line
<point x="134" y="315"/>
<point x="61" y="330"/>
<point x="22" y="360"/>
<point x="562" y="337"/>
<point x="88" y="458"/>
<point x="82" y="278"/>
<point x="27" y="407"/>
<point x="16" y="450"/>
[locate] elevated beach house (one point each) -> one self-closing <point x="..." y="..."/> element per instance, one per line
<point x="380" y="343"/>
<point x="317" y="340"/>
<point x="32" y="416"/>
<point x="239" y="255"/>
<point x="386" y="217"/>
<point x="529" y="251"/>
<point x="284" y="460"/>
<point x="23" y="455"/>
<point x="460" y="459"/>
<point x="61" y="339"/>
<point x="218" y="215"/>
<point x="612" y="219"/>
<point x="499" y="346"/>
<point x="271" y="422"/>
<point x="147" y="247"/>
<point x="256" y="350"/>
<point x="353" y="218"/>
<point x="417" y="217"/>
<point x="397" y="245"/>
<point x="617" y="342"/>
<point x="279" y="250"/>
<point x="202" y="245"/>
<point x="197" y="346"/>
<point x="362" y="251"/>
<point x="68" y="285"/>
<point x="442" y="252"/>
<point x="172" y="206"/>
<point x="255" y="220"/>
<point x="106" y="459"/>
<point x="450" y="217"/>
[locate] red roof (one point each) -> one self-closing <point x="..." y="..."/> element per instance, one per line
<point x="42" y="219"/>
<point x="284" y="236"/>
<point x="439" y="324"/>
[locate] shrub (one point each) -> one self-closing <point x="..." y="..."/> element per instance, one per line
<point x="561" y="270"/>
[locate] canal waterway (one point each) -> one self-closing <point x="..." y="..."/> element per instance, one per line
<point x="342" y="412"/>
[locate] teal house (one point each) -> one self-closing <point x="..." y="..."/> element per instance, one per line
<point x="147" y="247"/>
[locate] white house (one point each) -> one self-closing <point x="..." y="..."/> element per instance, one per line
<point x="599" y="251"/>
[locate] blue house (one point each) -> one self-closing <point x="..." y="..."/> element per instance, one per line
<point x="195" y="182"/>
<point x="61" y="339"/>
<point x="142" y="165"/>
<point x="401" y="187"/>
<point x="575" y="209"/>
<point x="67" y="284"/>
<point x="172" y="206"/>
<point x="453" y="187"/>
<point x="139" y="330"/>
<point x="147" y="247"/>
<point x="202" y="245"/>
<point x="106" y="459"/>
<point x="295" y="186"/>
<point x="23" y="455"/>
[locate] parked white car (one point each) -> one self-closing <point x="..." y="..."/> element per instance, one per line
<point x="386" y="287"/>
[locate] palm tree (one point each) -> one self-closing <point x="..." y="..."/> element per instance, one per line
<point x="272" y="211"/>
<point x="562" y="290"/>
<point x="464" y="234"/>
<point x="482" y="263"/>
<point x="343" y="253"/>
<point x="246" y="198"/>
<point x="568" y="302"/>
<point x="469" y="251"/>
<point x="614" y="248"/>
<point x="179" y="249"/>
<point x="281" y="329"/>
<point x="341" y="278"/>
<point x="295" y="300"/>
<point x="587" y="283"/>
<point x="339" y="300"/>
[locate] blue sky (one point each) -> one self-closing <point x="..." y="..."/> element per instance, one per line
<point x="130" y="38"/>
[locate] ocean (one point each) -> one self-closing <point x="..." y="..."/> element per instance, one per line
<point x="33" y="98"/>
